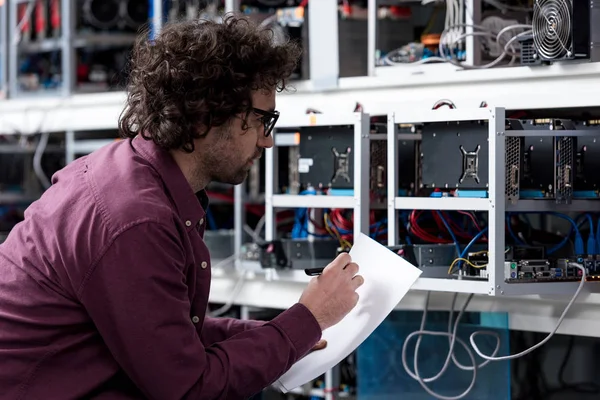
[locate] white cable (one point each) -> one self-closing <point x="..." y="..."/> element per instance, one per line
<point x="456" y="22"/>
<point x="510" y="28"/>
<point x="505" y="7"/>
<point x="37" y="160"/>
<point x="547" y="338"/>
<point x="452" y="336"/>
<point x="26" y="18"/>
<point x="484" y="33"/>
<point x="461" y="21"/>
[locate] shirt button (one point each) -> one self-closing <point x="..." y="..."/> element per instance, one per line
<point x="188" y="223"/>
<point x="195" y="319"/>
<point x="204" y="264"/>
<point x="201" y="221"/>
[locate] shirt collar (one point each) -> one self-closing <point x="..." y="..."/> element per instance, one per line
<point x="190" y="206"/>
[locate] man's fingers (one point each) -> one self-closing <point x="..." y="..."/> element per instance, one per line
<point x="358" y="281"/>
<point x="321" y="344"/>
<point x="339" y="263"/>
<point x="351" y="268"/>
<point x="343" y="260"/>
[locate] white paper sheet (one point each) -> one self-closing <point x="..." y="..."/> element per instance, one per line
<point x="388" y="278"/>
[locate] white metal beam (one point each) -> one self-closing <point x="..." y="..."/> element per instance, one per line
<point x="528" y="313"/>
<point x="397" y="88"/>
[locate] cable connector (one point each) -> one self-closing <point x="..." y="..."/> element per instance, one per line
<point x="591" y="245"/>
<point x="579" y="247"/>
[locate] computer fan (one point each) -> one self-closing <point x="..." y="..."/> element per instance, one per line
<point x="562" y="30"/>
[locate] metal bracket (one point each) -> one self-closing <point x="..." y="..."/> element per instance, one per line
<point x="470" y="164"/>
<point x="341" y="164"/>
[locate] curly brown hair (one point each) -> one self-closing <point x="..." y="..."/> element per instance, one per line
<point x="199" y="74"/>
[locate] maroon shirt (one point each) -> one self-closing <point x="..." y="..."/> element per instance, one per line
<point x="104" y="288"/>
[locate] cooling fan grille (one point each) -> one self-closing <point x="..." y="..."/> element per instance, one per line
<point x="552" y="28"/>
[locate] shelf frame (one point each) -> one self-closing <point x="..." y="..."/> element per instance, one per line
<point x="359" y="202"/>
<point x="3" y="49"/>
<point x="494" y="204"/>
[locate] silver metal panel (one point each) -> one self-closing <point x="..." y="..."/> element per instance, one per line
<point x="67" y="13"/>
<point x="4" y="49"/>
<point x="371" y="36"/>
<point x="362" y="168"/>
<point x="552" y="133"/>
<point x="70" y="147"/>
<point x="239" y="217"/>
<point x="232" y="6"/>
<point x="392" y="168"/>
<point x="299" y="119"/>
<point x="451" y="285"/>
<point x="409" y="116"/>
<point x="292" y="201"/>
<point x="323" y="44"/>
<point x="441" y="203"/>
<point x="13" y="57"/>
<point x="270" y="179"/>
<point x="157" y="16"/>
<point x="285" y="139"/>
<point x="496" y="216"/>
<point x="542" y="205"/>
<point x="472" y="17"/>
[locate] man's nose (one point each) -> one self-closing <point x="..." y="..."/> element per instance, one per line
<point x="265" y="142"/>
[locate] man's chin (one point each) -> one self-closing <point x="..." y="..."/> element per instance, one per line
<point x="235" y="180"/>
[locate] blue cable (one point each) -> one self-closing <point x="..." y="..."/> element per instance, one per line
<point x="591" y="243"/>
<point x="450" y="231"/>
<point x="300" y="228"/>
<point x="473" y="241"/>
<point x="579" y="246"/>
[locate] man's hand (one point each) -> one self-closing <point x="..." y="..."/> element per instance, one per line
<point x="333" y="294"/>
<point x="321" y="344"/>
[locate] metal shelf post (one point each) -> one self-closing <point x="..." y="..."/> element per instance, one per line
<point x="232" y="6"/>
<point x="239" y="219"/>
<point x="4" y="29"/>
<point x="323" y="37"/>
<point x="157" y="17"/>
<point x="497" y="199"/>
<point x="13" y="58"/>
<point x="494" y="204"/>
<point x="359" y="202"/>
<point x="69" y="64"/>
<point x="371" y="36"/>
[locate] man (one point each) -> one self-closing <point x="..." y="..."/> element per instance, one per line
<point x="104" y="286"/>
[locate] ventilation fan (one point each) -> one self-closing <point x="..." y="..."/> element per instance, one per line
<point x="562" y="30"/>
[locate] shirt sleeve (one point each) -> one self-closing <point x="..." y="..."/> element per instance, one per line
<point x="219" y="329"/>
<point x="137" y="298"/>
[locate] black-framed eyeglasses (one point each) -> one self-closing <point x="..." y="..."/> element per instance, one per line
<point x="268" y="119"/>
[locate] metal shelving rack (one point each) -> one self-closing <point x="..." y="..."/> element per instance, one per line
<point x="3" y="48"/>
<point x="67" y="43"/>
<point x="359" y="202"/>
<point x="495" y="204"/>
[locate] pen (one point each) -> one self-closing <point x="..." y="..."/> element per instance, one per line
<point x="313" y="271"/>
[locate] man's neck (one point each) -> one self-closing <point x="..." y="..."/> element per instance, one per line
<point x="189" y="167"/>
